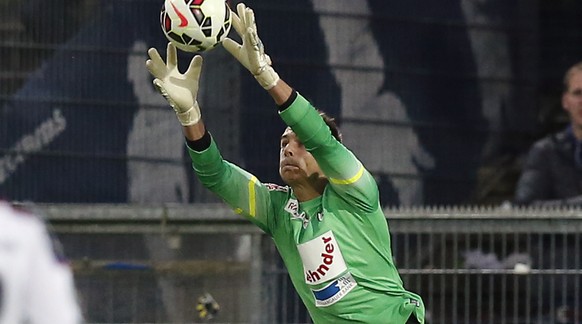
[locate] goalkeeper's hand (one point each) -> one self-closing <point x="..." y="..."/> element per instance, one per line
<point x="251" y="54"/>
<point x="180" y="90"/>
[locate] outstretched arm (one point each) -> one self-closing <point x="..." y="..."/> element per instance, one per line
<point x="281" y="92"/>
<point x="251" y="54"/>
<point x="343" y="169"/>
<point x="240" y="189"/>
<point x="180" y="90"/>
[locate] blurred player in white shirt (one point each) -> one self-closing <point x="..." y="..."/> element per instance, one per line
<point x="36" y="285"/>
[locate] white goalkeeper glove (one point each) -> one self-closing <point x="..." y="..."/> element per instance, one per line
<point x="251" y="54"/>
<point x="180" y="90"/>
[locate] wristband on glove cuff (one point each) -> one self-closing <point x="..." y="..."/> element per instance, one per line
<point x="190" y="116"/>
<point x="267" y="78"/>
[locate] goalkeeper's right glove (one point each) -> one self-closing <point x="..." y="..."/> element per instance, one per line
<point x="180" y="90"/>
<point x="251" y="54"/>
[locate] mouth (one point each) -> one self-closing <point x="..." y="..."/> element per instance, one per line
<point x="288" y="165"/>
<point x="289" y="168"/>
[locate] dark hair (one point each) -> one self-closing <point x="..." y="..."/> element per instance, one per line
<point x="330" y="122"/>
<point x="573" y="69"/>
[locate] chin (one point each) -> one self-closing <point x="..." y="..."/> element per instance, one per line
<point x="289" y="178"/>
<point x="284" y="177"/>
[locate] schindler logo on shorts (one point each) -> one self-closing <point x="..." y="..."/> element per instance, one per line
<point x="335" y="291"/>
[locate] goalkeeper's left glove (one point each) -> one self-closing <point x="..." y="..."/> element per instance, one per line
<point x="251" y="54"/>
<point x="180" y="90"/>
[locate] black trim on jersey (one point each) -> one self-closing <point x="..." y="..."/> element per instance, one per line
<point x="289" y="101"/>
<point x="201" y="144"/>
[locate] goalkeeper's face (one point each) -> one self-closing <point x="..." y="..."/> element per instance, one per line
<point x="296" y="164"/>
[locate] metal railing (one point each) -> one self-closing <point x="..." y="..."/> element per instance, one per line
<point x="136" y="263"/>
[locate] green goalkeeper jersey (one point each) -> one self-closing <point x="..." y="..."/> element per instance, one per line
<point x="336" y="247"/>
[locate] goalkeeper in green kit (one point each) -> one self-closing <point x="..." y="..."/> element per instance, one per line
<point x="327" y="223"/>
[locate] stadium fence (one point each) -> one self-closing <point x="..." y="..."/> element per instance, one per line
<point x="138" y="264"/>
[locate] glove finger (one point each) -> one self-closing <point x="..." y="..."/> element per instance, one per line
<point x="240" y="9"/>
<point x="156" y="70"/>
<point x="156" y="64"/>
<point x="171" y="59"/>
<point x="231" y="46"/>
<point x="252" y="38"/>
<point x="237" y="24"/>
<point x="155" y="55"/>
<point x="193" y="72"/>
<point x="250" y="18"/>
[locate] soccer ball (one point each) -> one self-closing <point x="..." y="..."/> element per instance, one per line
<point x="195" y="25"/>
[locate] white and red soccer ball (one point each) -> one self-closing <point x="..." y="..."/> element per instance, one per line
<point x="195" y="25"/>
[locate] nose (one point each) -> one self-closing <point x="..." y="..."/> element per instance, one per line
<point x="287" y="151"/>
